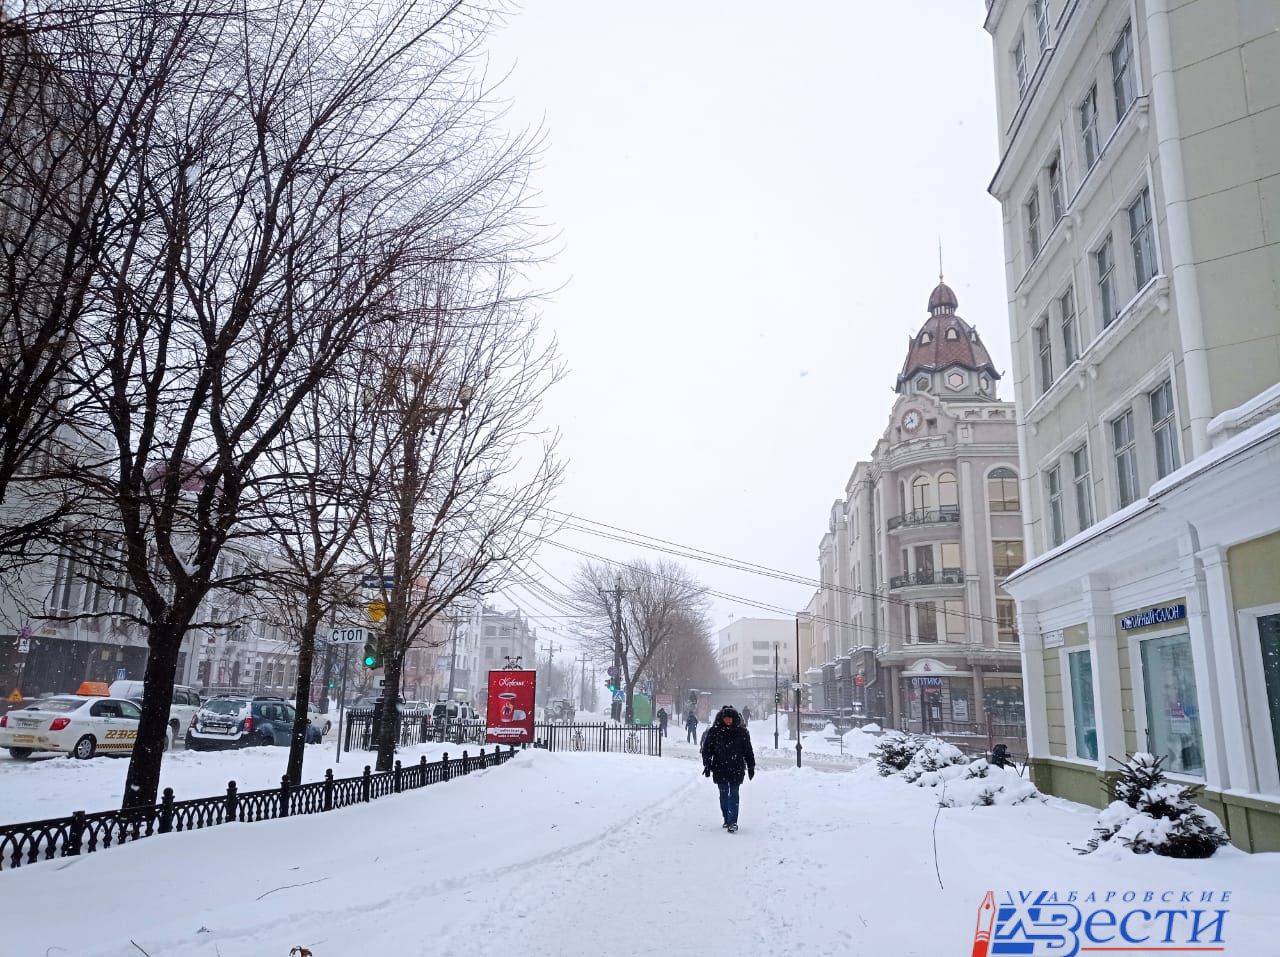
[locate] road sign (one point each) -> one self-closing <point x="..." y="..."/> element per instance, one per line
<point x="348" y="636"/>
<point x="618" y="695"/>
<point x="612" y="672"/>
<point x="121" y="673"/>
<point x="378" y="581"/>
<point x="15" y="696"/>
<point x="796" y="686"/>
<point x="382" y="682"/>
<point x="24" y="645"/>
<point x="377" y="610"/>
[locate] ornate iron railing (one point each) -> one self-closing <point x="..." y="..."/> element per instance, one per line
<point x="360" y="729"/>
<point x="604" y="737"/>
<point x="948" y="514"/>
<point x="81" y="833"/>
<point x="945" y="576"/>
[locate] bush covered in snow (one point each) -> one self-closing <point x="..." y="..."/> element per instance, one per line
<point x="1149" y="813"/>
<point x="895" y="750"/>
<point x="934" y="754"/>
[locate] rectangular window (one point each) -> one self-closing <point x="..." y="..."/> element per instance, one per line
<point x="1006" y="557"/>
<point x="1142" y="238"/>
<point x="950" y="556"/>
<point x="1122" y="440"/>
<point x="1088" y="111"/>
<point x="1122" y="79"/>
<point x="1053" y="488"/>
<point x="1163" y="428"/>
<point x="1057" y="199"/>
<point x="1070" y="333"/>
<point x="1020" y="66"/>
<point x="1080" y="666"/>
<point x="1084" y="493"/>
<point x="1031" y="212"/>
<point x="1269" y="636"/>
<point x="1042" y="22"/>
<point x="1173" y="711"/>
<point x="926" y="622"/>
<point x="1104" y="262"/>
<point x="64" y="582"/>
<point x="1006" y="619"/>
<point x="1044" y="354"/>
<point x="953" y="614"/>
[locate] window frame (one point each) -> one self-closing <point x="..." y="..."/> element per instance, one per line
<point x="1057" y="188"/>
<point x="1069" y="325"/>
<point x="1031" y="222"/>
<point x="1004" y="498"/>
<point x="954" y="618"/>
<point x="1141" y="683"/>
<point x="1043" y="342"/>
<point x="1011" y="620"/>
<point x="1057" y="524"/>
<point x="1040" y="13"/>
<point x="1021" y="76"/>
<point x="1069" y="676"/>
<point x="1125" y="495"/>
<point x="1087" y="115"/>
<point x="1164" y="430"/>
<point x="1007" y="546"/>
<point x="1142" y="240"/>
<point x="1083" y="482"/>
<point x="1105" y="281"/>
<point x="1124" y="85"/>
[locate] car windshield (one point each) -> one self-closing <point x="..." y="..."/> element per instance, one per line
<point x="224" y="706"/>
<point x="59" y="705"/>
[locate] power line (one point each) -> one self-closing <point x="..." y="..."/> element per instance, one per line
<point x="724" y="561"/>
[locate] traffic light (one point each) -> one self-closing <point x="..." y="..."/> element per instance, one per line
<point x="611" y="684"/>
<point x="372" y="653"/>
<point x="777" y="697"/>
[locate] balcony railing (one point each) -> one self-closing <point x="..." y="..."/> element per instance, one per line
<point x="928" y="516"/>
<point x="945" y="576"/>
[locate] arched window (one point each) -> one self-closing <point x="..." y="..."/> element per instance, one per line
<point x="947" y="494"/>
<point x="920" y="494"/>
<point x="951" y="334"/>
<point x="1002" y="491"/>
<point x="925" y="338"/>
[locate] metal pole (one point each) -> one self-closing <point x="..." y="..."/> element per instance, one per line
<point x="453" y="664"/>
<point x="342" y="703"/>
<point x="797" y="692"/>
<point x="776" y="702"/>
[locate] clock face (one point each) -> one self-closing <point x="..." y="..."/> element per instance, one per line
<point x="911" y="420"/>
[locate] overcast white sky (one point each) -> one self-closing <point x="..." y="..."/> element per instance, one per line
<point x="750" y="197"/>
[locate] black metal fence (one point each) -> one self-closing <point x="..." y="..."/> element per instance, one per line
<point x="361" y="728"/>
<point x="83" y="833"/>
<point x="604" y="737"/>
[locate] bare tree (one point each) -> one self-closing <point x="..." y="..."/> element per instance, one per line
<point x="284" y="170"/>
<point x="468" y="469"/>
<point x="663" y="603"/>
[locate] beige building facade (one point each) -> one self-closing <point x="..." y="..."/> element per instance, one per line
<point x="911" y="626"/>
<point x="1140" y="185"/>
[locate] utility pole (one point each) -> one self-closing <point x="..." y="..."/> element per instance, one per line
<point x="776" y="699"/>
<point x="797" y="689"/>
<point x="582" y="684"/>
<point x="615" y="623"/>
<point x="551" y="654"/>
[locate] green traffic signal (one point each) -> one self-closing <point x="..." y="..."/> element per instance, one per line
<point x="372" y="653"/>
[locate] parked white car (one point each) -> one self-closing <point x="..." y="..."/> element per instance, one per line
<point x="186" y="702"/>
<point x="76" y="725"/>
<point x="322" y="721"/>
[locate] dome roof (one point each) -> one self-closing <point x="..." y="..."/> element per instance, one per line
<point x="945" y="341"/>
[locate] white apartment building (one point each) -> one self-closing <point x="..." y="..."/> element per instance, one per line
<point x="744" y="648"/>
<point x="911" y="625"/>
<point x="1140" y="185"/>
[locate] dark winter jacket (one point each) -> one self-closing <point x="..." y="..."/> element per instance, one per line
<point x="726" y="751"/>
<point x="662" y="717"/>
<point x="690" y="720"/>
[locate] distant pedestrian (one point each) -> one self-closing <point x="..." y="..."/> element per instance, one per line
<point x="691" y="726"/>
<point x="727" y="758"/>
<point x="746" y="716"/>
<point x="662" y="722"/>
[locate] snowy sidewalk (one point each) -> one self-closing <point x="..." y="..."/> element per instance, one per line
<point x="559" y="855"/>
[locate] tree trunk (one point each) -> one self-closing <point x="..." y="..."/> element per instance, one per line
<point x="302" y="696"/>
<point x="142" y="782"/>
<point x="390" y="731"/>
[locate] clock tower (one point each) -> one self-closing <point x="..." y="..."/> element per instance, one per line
<point x="946" y="358"/>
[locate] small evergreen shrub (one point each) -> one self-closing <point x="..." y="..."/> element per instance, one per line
<point x="895" y="750"/>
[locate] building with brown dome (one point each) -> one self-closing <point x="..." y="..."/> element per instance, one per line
<point x="911" y="625"/>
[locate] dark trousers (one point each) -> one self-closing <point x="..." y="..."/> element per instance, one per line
<point x="693" y="733"/>
<point x="729" y="800"/>
<point x="662" y="729"/>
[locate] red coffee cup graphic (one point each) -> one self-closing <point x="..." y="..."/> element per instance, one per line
<point x="507" y="711"/>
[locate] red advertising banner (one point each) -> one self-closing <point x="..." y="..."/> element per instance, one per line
<point x="510" y="707"/>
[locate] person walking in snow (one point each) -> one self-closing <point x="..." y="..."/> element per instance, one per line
<point x="691" y="726"/>
<point x="662" y="722"/>
<point x="727" y="758"/>
<point x="746" y="716"/>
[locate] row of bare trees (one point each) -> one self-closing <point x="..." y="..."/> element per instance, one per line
<point x="264" y="297"/>
<point x="663" y="632"/>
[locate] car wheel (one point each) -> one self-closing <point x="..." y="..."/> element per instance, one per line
<point x="85" y="748"/>
<point x="19" y="754"/>
<point x="266" y="739"/>
<point x="190" y="742"/>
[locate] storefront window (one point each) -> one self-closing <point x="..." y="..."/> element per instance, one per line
<point x="1269" y="635"/>
<point x="1081" y="666"/>
<point x="1002" y="697"/>
<point x="1173" y="713"/>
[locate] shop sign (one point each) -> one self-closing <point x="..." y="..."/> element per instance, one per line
<point x="931" y="681"/>
<point x="1055" y="639"/>
<point x="1153" y="616"/>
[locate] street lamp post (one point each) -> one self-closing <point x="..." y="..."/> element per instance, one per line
<point x="797" y="687"/>
<point x="775" y="696"/>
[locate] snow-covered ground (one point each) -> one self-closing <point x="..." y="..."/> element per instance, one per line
<point x="55" y="786"/>
<point x="569" y="854"/>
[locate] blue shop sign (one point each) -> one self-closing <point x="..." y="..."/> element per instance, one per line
<point x="1153" y="616"/>
<point x="930" y="682"/>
